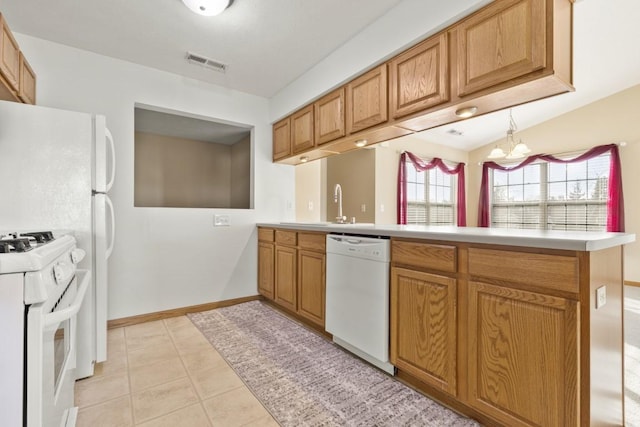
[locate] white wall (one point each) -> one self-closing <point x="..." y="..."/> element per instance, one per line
<point x="165" y="257"/>
<point x="401" y="27"/>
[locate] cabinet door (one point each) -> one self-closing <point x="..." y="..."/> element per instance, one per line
<point x="9" y="56"/>
<point x="329" y="115"/>
<point x="507" y="39"/>
<point x="523" y="356"/>
<point x="27" y="92"/>
<point x="302" y="129"/>
<point x="282" y="139"/>
<point x="419" y="77"/>
<point x="285" y="277"/>
<point x="266" y="269"/>
<point x="311" y="285"/>
<point x="423" y="327"/>
<point x="367" y="100"/>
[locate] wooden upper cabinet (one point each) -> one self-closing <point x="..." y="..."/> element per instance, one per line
<point x="27" y="90"/>
<point x="329" y="117"/>
<point x="302" y="135"/>
<point x="505" y="40"/>
<point x="367" y="100"/>
<point x="419" y="77"/>
<point x="282" y="139"/>
<point x="9" y="56"/>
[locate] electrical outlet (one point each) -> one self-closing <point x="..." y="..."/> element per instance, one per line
<point x="381" y="207"/>
<point x="601" y="296"/>
<point x="221" y="220"/>
<point x="363" y="208"/>
<point x="310" y="205"/>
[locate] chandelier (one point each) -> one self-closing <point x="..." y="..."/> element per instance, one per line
<point x="515" y="150"/>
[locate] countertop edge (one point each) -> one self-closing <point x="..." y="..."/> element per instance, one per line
<point x="546" y="240"/>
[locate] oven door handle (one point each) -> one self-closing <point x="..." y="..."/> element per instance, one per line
<point x="53" y="319"/>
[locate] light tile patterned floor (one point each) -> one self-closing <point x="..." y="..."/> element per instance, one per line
<point x="165" y="373"/>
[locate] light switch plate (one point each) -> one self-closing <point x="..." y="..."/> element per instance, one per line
<point x="221" y="220"/>
<point x="601" y="296"/>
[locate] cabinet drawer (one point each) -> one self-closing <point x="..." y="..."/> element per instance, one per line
<point x="427" y="255"/>
<point x="286" y="237"/>
<point x="541" y="270"/>
<point x="312" y="241"/>
<point x="265" y="234"/>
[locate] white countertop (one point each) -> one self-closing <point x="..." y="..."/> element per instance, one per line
<point x="565" y="240"/>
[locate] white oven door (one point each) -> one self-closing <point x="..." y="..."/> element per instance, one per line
<point x="51" y="357"/>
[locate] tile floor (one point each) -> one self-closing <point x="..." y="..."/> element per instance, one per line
<point x="165" y="373"/>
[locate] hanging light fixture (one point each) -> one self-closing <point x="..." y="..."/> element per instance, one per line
<point x="207" y="7"/>
<point x="515" y="150"/>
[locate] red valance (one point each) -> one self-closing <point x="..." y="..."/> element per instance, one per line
<point x="615" y="200"/>
<point x="421" y="166"/>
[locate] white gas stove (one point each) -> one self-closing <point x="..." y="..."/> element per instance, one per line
<point x="41" y="291"/>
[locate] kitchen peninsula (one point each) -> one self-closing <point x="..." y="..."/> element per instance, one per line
<point x="511" y="327"/>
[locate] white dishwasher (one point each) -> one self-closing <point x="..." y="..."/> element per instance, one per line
<point x="357" y="300"/>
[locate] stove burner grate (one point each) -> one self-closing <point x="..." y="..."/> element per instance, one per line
<point x="23" y="242"/>
<point x="15" y="245"/>
<point x="39" y="236"/>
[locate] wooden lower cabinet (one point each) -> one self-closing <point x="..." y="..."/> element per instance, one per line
<point x="523" y="356"/>
<point x="285" y="277"/>
<point x="266" y="269"/>
<point x="311" y="285"/>
<point x="291" y="271"/>
<point x="510" y="336"/>
<point x="423" y="327"/>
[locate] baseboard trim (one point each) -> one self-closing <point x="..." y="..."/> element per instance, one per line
<point x="631" y="283"/>
<point x="148" y="317"/>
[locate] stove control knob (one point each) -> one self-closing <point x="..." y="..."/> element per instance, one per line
<point x="77" y="255"/>
<point x="61" y="272"/>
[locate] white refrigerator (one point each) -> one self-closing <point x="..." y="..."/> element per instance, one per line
<point x="56" y="168"/>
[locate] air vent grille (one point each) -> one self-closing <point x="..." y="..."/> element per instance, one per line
<point x="206" y="62"/>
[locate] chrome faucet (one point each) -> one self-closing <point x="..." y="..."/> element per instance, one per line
<point x="337" y="198"/>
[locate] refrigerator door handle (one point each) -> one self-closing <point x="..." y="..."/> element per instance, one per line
<point x="113" y="226"/>
<point x="113" y="160"/>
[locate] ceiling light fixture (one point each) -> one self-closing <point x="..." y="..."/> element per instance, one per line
<point x="207" y="7"/>
<point x="304" y="159"/>
<point x="466" y="112"/>
<point x="516" y="150"/>
<point x="361" y="143"/>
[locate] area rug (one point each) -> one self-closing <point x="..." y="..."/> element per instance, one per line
<point x="302" y="379"/>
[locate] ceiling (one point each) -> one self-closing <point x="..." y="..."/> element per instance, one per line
<point x="268" y="44"/>
<point x="265" y="43"/>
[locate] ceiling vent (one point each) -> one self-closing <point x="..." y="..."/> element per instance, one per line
<point x="206" y="62"/>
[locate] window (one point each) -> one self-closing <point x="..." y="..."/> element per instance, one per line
<point x="552" y="196"/>
<point x="430" y="197"/>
